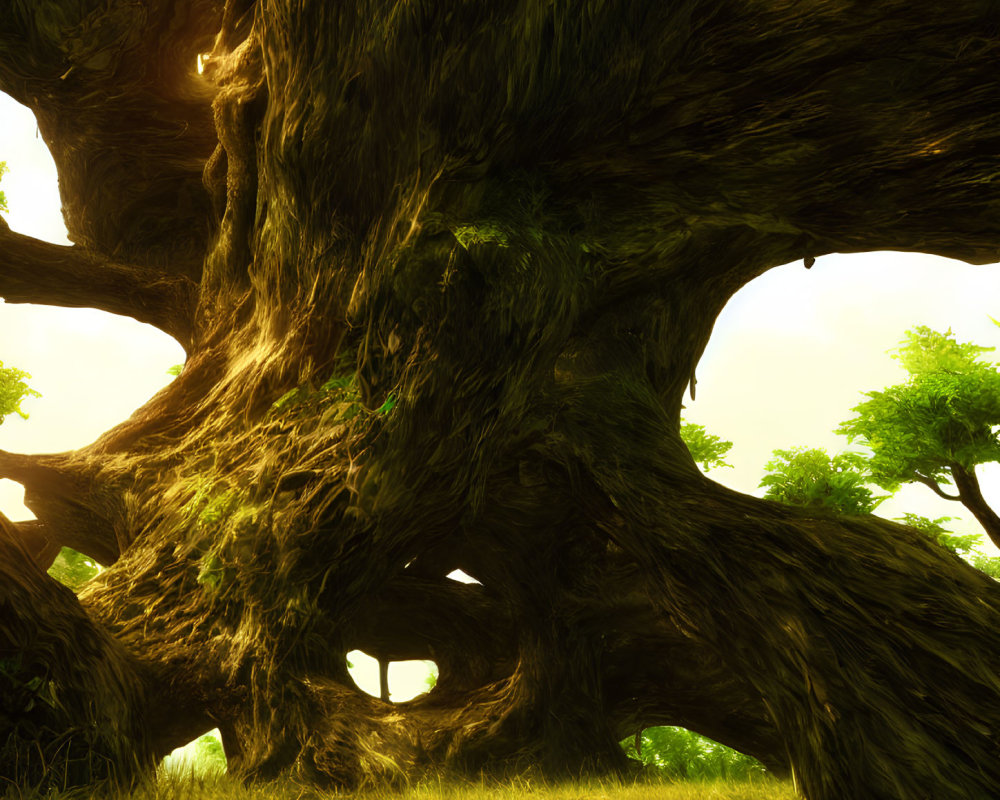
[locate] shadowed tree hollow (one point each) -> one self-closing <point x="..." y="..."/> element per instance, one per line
<point x="443" y="271"/>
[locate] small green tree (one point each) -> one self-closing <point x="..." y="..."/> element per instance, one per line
<point x="811" y="478"/>
<point x="706" y="449"/>
<point x="988" y="564"/>
<point x="939" y="425"/>
<point x="13" y="390"/>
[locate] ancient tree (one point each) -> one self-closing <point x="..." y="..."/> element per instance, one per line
<point x="443" y="271"/>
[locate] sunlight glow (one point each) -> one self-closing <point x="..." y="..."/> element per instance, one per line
<point x="461" y="577"/>
<point x="201" y="756"/>
<point x="407" y="679"/>
<point x="93" y="369"/>
<point x="794" y="350"/>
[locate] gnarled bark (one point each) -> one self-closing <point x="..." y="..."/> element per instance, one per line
<point x="455" y="264"/>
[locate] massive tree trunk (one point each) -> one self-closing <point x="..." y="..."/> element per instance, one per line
<point x="443" y="271"/>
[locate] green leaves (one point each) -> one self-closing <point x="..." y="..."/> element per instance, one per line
<point x="73" y="569"/>
<point x="680" y="754"/>
<point x="946" y="413"/>
<point x="959" y="544"/>
<point x="810" y="478"/>
<point x="13" y="390"/>
<point x="3" y="197"/>
<point x="706" y="449"/>
<point x="212" y="571"/>
<point x="926" y="350"/>
<point x="340" y="392"/>
<point x="485" y="232"/>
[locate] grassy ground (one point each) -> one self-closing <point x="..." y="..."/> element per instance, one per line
<point x="208" y="789"/>
<point x="189" y="786"/>
<point x="680" y="765"/>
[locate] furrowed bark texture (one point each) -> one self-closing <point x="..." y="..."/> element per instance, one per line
<point x="444" y="271"/>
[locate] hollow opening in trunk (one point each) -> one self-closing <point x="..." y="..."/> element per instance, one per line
<point x="462" y="577"/>
<point x="74" y="569"/>
<point x="680" y="754"/>
<point x="391" y="681"/>
<point x="12" y="501"/>
<point x="804" y="345"/>
<point x="203" y="755"/>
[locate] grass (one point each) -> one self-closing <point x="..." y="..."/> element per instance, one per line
<point x="186" y="784"/>
<point x="680" y="765"/>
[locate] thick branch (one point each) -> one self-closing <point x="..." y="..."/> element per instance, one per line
<point x="64" y="500"/>
<point x="935" y="487"/>
<point x="33" y="271"/>
<point x="892" y="655"/>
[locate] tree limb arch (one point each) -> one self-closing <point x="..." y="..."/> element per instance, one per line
<point x="34" y="271"/>
<point x="68" y="504"/>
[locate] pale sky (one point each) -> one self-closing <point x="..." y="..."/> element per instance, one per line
<point x="92" y="368"/>
<point x="791" y="353"/>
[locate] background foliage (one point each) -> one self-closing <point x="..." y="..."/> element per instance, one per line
<point x="73" y="569"/>
<point x="811" y="478"/>
<point x="679" y="754"/>
<point x="13" y="390"/>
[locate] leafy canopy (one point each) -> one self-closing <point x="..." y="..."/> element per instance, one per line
<point x="13" y="390"/>
<point x="926" y="350"/>
<point x="947" y="412"/>
<point x="3" y="197"/>
<point x="706" y="449"/>
<point x="811" y="478"/>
